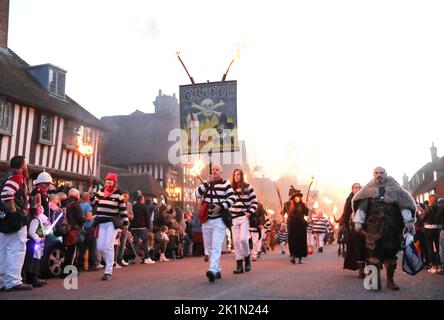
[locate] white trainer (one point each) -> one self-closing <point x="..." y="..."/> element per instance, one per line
<point x="149" y="261"/>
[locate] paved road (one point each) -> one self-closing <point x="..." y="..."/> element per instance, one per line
<point x="272" y="277"/>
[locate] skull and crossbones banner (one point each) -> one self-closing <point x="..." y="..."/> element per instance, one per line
<point x="208" y="117"/>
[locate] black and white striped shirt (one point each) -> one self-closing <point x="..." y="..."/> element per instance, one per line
<point x="267" y="223"/>
<point x="111" y="206"/>
<point x="245" y="202"/>
<point x="319" y="225"/>
<point x="222" y="194"/>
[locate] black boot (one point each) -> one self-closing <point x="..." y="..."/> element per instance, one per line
<point x="361" y="267"/>
<point x="239" y="267"/>
<point x="390" y="266"/>
<point x="39" y="282"/>
<point x="247" y="264"/>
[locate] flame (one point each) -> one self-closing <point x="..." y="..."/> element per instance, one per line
<point x="237" y="57"/>
<point x="84" y="148"/>
<point x="286" y="216"/>
<point x="335" y="210"/>
<point x="274" y="178"/>
<point x="269" y="211"/>
<point x="316" y="205"/>
<point x="197" y="168"/>
<point x="327" y="200"/>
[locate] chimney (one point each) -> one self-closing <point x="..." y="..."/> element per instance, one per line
<point x="4" y="17"/>
<point x="434" y="152"/>
<point x="405" y="181"/>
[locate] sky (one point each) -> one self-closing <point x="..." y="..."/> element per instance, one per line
<point x="325" y="88"/>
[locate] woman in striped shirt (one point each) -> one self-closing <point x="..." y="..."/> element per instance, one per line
<point x="110" y="215"/>
<point x="245" y="206"/>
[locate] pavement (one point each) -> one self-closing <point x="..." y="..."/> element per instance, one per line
<point x="273" y="277"/>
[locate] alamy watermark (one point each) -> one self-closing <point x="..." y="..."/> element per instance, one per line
<point x="220" y="142"/>
<point x="71" y="281"/>
<point x="371" y="277"/>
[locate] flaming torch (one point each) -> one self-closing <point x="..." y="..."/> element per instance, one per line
<point x="197" y="169"/>
<point x="87" y="151"/>
<point x="183" y="65"/>
<point x="229" y="66"/>
<point x="308" y="191"/>
<point x="274" y="179"/>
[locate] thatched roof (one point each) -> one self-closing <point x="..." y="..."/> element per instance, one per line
<point x="18" y="86"/>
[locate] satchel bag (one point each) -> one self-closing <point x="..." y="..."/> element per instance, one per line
<point x="81" y="235"/>
<point x="411" y="260"/>
<point x="10" y="222"/>
<point x="226" y="217"/>
<point x="117" y="222"/>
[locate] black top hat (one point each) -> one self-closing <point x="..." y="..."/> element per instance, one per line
<point x="294" y="192"/>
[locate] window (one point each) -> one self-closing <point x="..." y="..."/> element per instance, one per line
<point x="56" y="83"/>
<point x="70" y="135"/>
<point x="46" y="129"/>
<point x="5" y="116"/>
<point x="74" y="134"/>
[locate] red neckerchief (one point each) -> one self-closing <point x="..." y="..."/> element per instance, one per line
<point x="44" y="192"/>
<point x="109" y="191"/>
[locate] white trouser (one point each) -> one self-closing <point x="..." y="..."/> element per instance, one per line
<point x="263" y="237"/>
<point x="320" y="239"/>
<point x="283" y="244"/>
<point x="241" y="234"/>
<point x="257" y="244"/>
<point x="12" y="257"/>
<point x="213" y="232"/>
<point x="105" y="244"/>
<point x="310" y="239"/>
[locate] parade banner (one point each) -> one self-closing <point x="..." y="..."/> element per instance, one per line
<point x="208" y="117"/>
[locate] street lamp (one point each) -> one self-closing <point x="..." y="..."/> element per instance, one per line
<point x="87" y="151"/>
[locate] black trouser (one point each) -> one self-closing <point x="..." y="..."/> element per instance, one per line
<point x="420" y="236"/>
<point x="142" y="234"/>
<point x="70" y="256"/>
<point x="432" y="238"/>
<point x="90" y="245"/>
<point x="31" y="265"/>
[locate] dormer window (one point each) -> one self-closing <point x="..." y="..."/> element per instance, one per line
<point x="56" y="82"/>
<point x="51" y="78"/>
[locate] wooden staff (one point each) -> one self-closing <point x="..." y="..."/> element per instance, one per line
<point x="183" y="65"/>
<point x="279" y="195"/>
<point x="309" y="186"/>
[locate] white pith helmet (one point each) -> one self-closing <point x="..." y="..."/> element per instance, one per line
<point x="43" y="177"/>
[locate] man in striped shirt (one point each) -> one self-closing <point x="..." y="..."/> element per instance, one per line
<point x="111" y="215"/>
<point x="320" y="228"/>
<point x="217" y="195"/>
<point x="13" y="244"/>
<point x="246" y="205"/>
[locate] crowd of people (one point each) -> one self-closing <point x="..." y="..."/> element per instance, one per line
<point x="109" y="228"/>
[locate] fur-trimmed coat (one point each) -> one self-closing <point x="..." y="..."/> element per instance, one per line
<point x="394" y="194"/>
